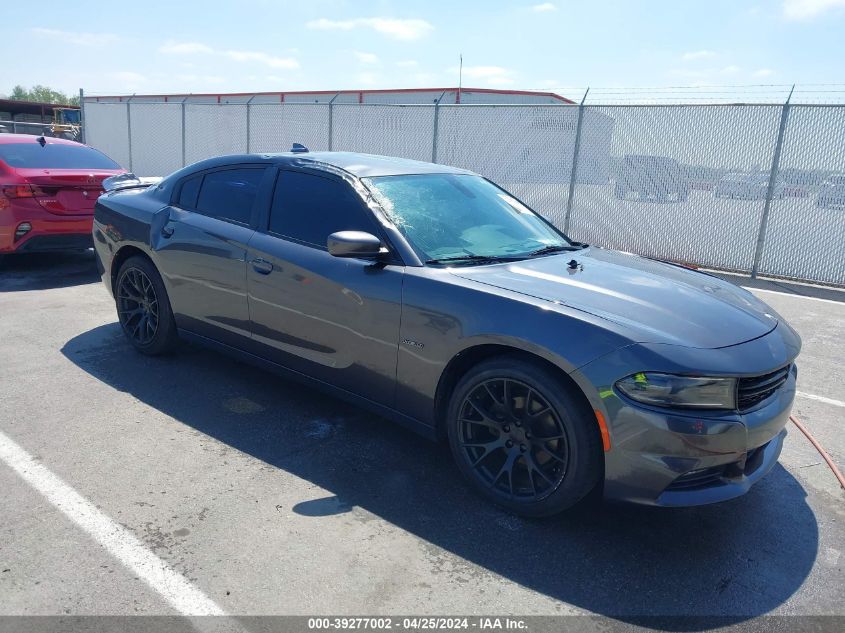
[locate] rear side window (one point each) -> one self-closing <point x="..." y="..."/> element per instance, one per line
<point x="189" y="192"/>
<point x="229" y="194"/>
<point x="54" y="156"/>
<point x="310" y="208"/>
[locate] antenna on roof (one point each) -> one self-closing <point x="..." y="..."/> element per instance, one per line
<point x="460" y="75"/>
<point x="298" y="148"/>
<point x="41" y="141"/>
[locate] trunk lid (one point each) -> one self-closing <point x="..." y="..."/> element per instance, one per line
<point x="66" y="191"/>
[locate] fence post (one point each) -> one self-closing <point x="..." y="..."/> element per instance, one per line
<point x="574" y="171"/>
<point x="129" y="130"/>
<point x="331" y="104"/>
<point x="184" y="155"/>
<point x="248" y="107"/>
<point x="81" y="116"/>
<point x="434" y="138"/>
<point x="773" y="176"/>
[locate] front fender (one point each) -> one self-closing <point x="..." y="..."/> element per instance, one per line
<point x="444" y="316"/>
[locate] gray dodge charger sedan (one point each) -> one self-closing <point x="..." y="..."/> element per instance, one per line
<point x="435" y="298"/>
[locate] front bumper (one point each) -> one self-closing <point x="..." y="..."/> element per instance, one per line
<point x="676" y="457"/>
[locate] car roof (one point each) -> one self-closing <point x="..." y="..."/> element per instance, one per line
<point x="6" y="139"/>
<point x="365" y="165"/>
<point x="359" y="165"/>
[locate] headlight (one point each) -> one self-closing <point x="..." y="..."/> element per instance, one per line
<point x="667" y="390"/>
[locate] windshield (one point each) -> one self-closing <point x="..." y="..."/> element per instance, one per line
<point x="449" y="216"/>
<point x="54" y="156"/>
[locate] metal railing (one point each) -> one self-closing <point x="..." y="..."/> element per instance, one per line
<point x="748" y="188"/>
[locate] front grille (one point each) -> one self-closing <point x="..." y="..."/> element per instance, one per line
<point x="755" y="389"/>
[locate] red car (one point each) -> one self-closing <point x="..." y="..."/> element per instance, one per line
<point x="48" y="187"/>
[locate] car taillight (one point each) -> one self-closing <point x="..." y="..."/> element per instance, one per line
<point x="18" y="191"/>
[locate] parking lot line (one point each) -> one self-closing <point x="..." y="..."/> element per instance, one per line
<point x="810" y="396"/>
<point x="114" y="538"/>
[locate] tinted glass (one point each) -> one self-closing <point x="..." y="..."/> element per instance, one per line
<point x="446" y="215"/>
<point x="310" y="208"/>
<point x="54" y="156"/>
<point x="188" y="193"/>
<point x="229" y="194"/>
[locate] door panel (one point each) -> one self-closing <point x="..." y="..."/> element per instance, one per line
<point x="335" y="319"/>
<point x="202" y="260"/>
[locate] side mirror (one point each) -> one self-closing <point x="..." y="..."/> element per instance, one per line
<point x="353" y="244"/>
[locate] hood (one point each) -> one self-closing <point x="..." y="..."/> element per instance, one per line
<point x="661" y="303"/>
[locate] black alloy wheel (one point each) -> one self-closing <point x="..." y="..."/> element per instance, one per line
<point x="143" y="307"/>
<point x="524" y="436"/>
<point x="513" y="439"/>
<point x="137" y="306"/>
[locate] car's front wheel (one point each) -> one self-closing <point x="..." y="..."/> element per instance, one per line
<point x="143" y="308"/>
<point x="522" y="438"/>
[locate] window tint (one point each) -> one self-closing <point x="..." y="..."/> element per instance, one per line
<point x="310" y="208"/>
<point x="54" y="156"/>
<point x="229" y="194"/>
<point x="188" y="193"/>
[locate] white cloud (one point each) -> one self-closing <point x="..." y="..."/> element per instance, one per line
<point x="807" y="9"/>
<point x="200" y="79"/>
<point x="184" y="48"/>
<point x="368" y="79"/>
<point x="76" y="38"/>
<point x="764" y="72"/>
<point x="696" y="55"/>
<point x="408" y="63"/>
<point x="365" y="58"/>
<point x="400" y="29"/>
<point x="492" y="75"/>
<point x="484" y="72"/>
<point x="730" y="70"/>
<point x="288" y="63"/>
<point x="545" y="7"/>
<point x="198" y="48"/>
<point x="128" y="80"/>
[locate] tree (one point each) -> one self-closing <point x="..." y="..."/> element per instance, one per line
<point x="43" y="94"/>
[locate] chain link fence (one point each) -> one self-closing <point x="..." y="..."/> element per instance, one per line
<point x="756" y="189"/>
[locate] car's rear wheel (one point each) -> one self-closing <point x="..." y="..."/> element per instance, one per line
<point x="522" y="438"/>
<point x="143" y="307"/>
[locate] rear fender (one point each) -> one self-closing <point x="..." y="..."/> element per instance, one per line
<point x="159" y="220"/>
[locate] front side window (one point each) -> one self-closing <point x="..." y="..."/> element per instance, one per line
<point x="450" y="216"/>
<point x="229" y="194"/>
<point x="309" y="208"/>
<point x="54" y="156"/>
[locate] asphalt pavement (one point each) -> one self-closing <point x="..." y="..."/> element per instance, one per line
<point x="266" y="498"/>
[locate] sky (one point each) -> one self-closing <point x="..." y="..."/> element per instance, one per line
<point x="286" y="45"/>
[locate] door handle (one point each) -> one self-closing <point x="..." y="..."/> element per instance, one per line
<point x="262" y="266"/>
<point x="167" y="231"/>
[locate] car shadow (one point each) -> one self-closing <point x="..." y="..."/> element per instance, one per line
<point x="735" y="560"/>
<point x="43" y="271"/>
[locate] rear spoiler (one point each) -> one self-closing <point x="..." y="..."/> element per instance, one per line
<point x="129" y="181"/>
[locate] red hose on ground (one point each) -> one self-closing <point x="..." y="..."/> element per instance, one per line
<point x="836" y="472"/>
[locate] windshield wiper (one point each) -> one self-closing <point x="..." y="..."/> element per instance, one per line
<point x="473" y="258"/>
<point x="557" y="248"/>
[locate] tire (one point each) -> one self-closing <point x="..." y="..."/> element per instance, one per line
<point x="500" y="450"/>
<point x="143" y="307"/>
